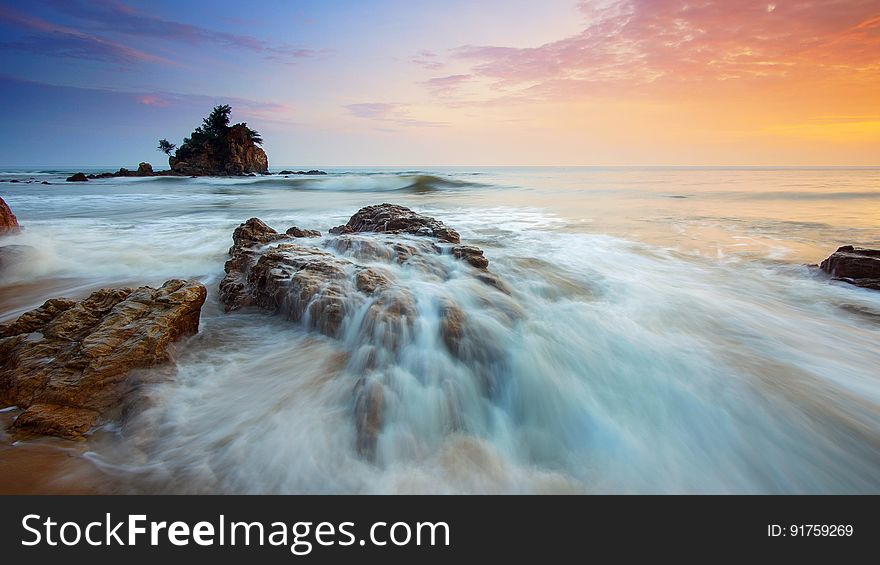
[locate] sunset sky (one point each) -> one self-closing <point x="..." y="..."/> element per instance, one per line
<point x="447" y="82"/>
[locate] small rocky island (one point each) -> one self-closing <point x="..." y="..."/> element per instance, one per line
<point x="217" y="149"/>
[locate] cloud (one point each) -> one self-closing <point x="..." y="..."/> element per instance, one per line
<point x="62" y="41"/>
<point x="115" y="17"/>
<point x="447" y="84"/>
<point x="389" y="113"/>
<point x="427" y="60"/>
<point x="153" y="100"/>
<point x="644" y="45"/>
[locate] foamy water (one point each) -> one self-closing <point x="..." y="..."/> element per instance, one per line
<point x="663" y="333"/>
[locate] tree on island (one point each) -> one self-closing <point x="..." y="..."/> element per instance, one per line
<point x="215" y="147"/>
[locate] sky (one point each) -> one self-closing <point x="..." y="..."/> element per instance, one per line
<point x="447" y="82"/>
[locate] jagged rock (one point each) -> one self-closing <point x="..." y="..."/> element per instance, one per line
<point x="297" y="232"/>
<point x="145" y="170"/>
<point x="234" y="153"/>
<point x="339" y="288"/>
<point x="854" y="265"/>
<point x="391" y="218"/>
<point x="472" y="254"/>
<point x="8" y="221"/>
<point x="68" y="364"/>
<point x="77" y="177"/>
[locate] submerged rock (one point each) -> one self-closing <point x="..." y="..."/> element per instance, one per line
<point x="69" y="364"/>
<point x="854" y="265"/>
<point x="13" y="255"/>
<point x="8" y="221"/>
<point x="338" y="286"/>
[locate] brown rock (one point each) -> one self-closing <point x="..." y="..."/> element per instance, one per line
<point x="297" y="232"/>
<point x="77" y="177"/>
<point x="855" y="265"/>
<point x="369" y="414"/>
<point x="353" y="295"/>
<point x="145" y="170"/>
<point x="472" y="254"/>
<point x="391" y="218"/>
<point x="8" y="221"/>
<point x="68" y="363"/>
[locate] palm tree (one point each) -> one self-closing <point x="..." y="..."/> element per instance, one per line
<point x="255" y="135"/>
<point x="166" y="146"/>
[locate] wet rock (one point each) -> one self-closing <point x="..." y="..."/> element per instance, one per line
<point x="370" y="279"/>
<point x="8" y="221"/>
<point x="854" y="265"/>
<point x="247" y="240"/>
<point x="70" y="364"/>
<point x="391" y="218"/>
<point x="77" y="177"/>
<point x="297" y="232"/>
<point x="145" y="170"/>
<point x="338" y="286"/>
<point x="369" y="412"/>
<point x="472" y="254"/>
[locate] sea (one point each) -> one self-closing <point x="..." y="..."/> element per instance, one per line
<point x="672" y="333"/>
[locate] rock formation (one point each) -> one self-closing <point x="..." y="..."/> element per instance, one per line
<point x="855" y="265"/>
<point x="8" y="221"/>
<point x="313" y="172"/>
<point x="72" y="364"/>
<point x="338" y="286"/>
<point x="233" y="152"/>
<point x="77" y="177"/>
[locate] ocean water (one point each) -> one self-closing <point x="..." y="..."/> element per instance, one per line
<point x="665" y="333"/>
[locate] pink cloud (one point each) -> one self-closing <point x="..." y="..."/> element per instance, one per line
<point x="153" y="100"/>
<point x="447" y="84"/>
<point x="654" y="43"/>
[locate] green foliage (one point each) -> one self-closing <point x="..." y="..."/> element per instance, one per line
<point x="216" y="123"/>
<point x="213" y="131"/>
<point x="255" y="135"/>
<point x="166" y="146"/>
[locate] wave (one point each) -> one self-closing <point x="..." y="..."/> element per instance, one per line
<point x="417" y="184"/>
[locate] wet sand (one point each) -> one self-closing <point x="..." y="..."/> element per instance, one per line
<point x="46" y="466"/>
